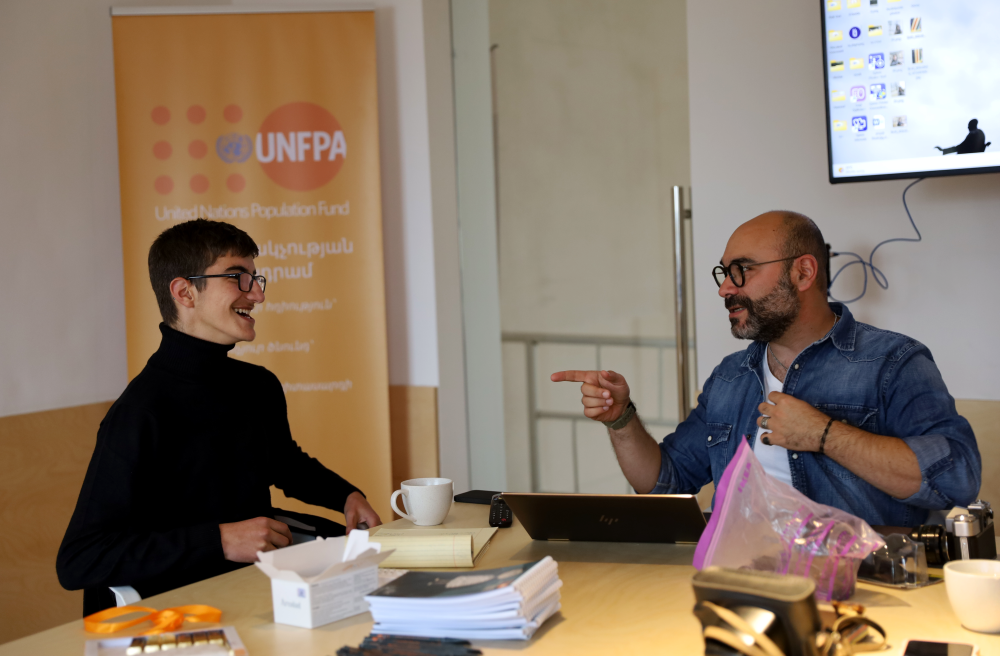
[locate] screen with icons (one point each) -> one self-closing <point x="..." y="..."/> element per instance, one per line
<point x="911" y="88"/>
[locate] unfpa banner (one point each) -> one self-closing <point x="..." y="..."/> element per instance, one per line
<point x="269" y="121"/>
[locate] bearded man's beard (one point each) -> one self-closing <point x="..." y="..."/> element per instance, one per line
<point x="769" y="317"/>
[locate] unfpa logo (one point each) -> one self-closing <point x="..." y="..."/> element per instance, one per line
<point x="301" y="146"/>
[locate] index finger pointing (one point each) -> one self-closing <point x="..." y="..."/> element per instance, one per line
<point x="575" y="377"/>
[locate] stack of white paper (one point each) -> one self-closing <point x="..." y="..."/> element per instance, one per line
<point x="509" y="603"/>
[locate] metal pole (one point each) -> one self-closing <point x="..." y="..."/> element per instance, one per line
<point x="680" y="283"/>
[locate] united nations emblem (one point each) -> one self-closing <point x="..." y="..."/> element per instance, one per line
<point x="234" y="148"/>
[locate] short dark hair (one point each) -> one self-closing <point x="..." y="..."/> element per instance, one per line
<point x="973" y="124"/>
<point x="803" y="237"/>
<point x="188" y="249"/>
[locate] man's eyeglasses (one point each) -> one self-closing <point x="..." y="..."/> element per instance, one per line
<point x="244" y="280"/>
<point x="735" y="271"/>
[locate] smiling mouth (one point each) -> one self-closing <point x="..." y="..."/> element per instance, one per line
<point x="244" y="313"/>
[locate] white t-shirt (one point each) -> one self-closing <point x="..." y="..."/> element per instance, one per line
<point x="774" y="458"/>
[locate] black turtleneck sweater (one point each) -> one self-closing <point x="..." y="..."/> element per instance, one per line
<point x="196" y="440"/>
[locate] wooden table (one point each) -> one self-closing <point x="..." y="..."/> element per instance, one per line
<point x="616" y="598"/>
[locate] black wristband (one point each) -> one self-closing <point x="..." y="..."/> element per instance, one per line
<point x="822" y="440"/>
<point x="622" y="421"/>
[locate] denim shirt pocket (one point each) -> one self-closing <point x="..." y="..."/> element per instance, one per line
<point x="854" y="415"/>
<point x="718" y="434"/>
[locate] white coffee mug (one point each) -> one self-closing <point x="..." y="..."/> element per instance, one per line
<point x="427" y="500"/>
<point x="974" y="592"/>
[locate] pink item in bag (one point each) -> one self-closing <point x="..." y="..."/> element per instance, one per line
<point x="763" y="524"/>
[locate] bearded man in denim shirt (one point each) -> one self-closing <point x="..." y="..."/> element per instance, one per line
<point x="852" y="416"/>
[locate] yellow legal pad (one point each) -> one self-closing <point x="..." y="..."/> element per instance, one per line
<point x="433" y="547"/>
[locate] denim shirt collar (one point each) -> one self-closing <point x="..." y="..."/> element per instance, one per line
<point x="841" y="336"/>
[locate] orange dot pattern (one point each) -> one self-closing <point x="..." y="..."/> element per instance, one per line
<point x="196" y="114"/>
<point x="197" y="149"/>
<point x="162" y="150"/>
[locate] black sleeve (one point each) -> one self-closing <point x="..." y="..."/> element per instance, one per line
<point x="106" y="544"/>
<point x="296" y="473"/>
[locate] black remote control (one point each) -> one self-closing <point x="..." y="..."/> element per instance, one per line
<point x="500" y="513"/>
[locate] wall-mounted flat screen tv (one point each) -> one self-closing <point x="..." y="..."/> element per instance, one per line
<point x="912" y="88"/>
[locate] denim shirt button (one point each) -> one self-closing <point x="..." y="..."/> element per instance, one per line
<point x="796" y="366"/>
<point x="795" y="456"/>
<point x="709" y="438"/>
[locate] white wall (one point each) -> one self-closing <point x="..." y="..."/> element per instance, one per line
<point x="592" y="118"/>
<point x="62" y="327"/>
<point x="62" y="315"/>
<point x="477" y="224"/>
<point x="453" y="428"/>
<point x="758" y="142"/>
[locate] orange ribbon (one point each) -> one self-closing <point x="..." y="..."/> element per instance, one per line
<point x="168" y="619"/>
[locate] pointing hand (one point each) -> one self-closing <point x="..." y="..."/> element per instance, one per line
<point x="605" y="393"/>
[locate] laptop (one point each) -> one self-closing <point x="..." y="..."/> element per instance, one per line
<point x="667" y="518"/>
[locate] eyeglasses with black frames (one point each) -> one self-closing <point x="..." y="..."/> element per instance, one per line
<point x="736" y="270"/>
<point x="244" y="280"/>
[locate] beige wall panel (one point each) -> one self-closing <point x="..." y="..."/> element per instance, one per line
<point x="413" y="420"/>
<point x="985" y="419"/>
<point x="43" y="458"/>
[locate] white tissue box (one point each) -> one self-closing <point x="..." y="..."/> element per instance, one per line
<point x="312" y="584"/>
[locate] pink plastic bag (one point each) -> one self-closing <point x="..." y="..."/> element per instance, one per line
<point x="763" y="524"/>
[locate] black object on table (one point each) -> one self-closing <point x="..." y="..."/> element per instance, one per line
<point x="390" y="645"/>
<point x="482" y="497"/>
<point x="501" y="515"/>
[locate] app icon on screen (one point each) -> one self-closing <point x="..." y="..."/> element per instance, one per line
<point x="836" y="64"/>
<point x="839" y="126"/>
<point x="877" y="91"/>
<point x="874" y="30"/>
<point x="873" y="3"/>
<point x="854" y="32"/>
<point x="898" y="121"/>
<point x="915" y="25"/>
<point x="856" y="63"/>
<point x="835" y="35"/>
<point x="837" y="96"/>
<point x="895" y="28"/>
<point x="891" y="1"/>
<point x="876" y="61"/>
<point x="853" y="4"/>
<point x="859" y="124"/>
<point x="897" y="58"/>
<point x="878" y="122"/>
<point x="898" y="89"/>
<point x="918" y="56"/>
<point x="833" y="5"/>
<point x="857" y="94"/>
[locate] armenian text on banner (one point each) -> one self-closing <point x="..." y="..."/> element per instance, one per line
<point x="269" y="121"/>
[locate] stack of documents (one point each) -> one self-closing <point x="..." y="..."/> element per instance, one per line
<point x="433" y="547"/>
<point x="509" y="603"/>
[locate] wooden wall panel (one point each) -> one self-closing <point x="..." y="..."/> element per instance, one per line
<point x="985" y="419"/>
<point x="43" y="458"/>
<point x="413" y="419"/>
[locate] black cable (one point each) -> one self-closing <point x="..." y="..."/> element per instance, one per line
<point x="877" y="275"/>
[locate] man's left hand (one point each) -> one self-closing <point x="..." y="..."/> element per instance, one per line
<point x="794" y="424"/>
<point x="357" y="510"/>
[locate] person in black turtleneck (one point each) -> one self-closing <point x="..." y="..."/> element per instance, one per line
<point x="178" y="488"/>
